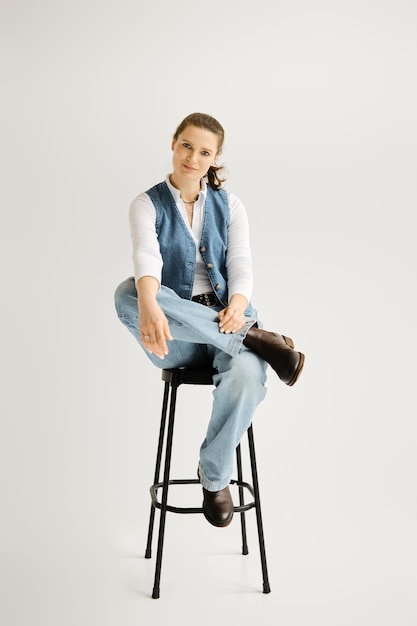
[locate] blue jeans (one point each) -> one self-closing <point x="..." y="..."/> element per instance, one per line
<point x="198" y="343"/>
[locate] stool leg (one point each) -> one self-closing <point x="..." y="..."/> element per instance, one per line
<point x="241" y="500"/>
<point x="148" y="552"/>
<point x="267" y="587"/>
<point x="164" y="500"/>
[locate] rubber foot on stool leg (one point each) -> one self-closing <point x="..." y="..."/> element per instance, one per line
<point x="155" y="593"/>
<point x="267" y="588"/>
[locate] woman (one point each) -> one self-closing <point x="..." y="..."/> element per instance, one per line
<point x="188" y="304"/>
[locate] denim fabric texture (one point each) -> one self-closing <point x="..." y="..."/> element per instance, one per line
<point x="197" y="342"/>
<point x="178" y="248"/>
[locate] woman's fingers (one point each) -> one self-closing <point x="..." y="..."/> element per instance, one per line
<point x="154" y="328"/>
<point x="155" y="345"/>
<point x="154" y="340"/>
<point x="231" y="320"/>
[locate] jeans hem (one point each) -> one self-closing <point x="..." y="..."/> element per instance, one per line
<point x="236" y="341"/>
<point x="212" y="485"/>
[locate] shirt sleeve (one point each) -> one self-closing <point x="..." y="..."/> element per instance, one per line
<point x="239" y="258"/>
<point x="147" y="259"/>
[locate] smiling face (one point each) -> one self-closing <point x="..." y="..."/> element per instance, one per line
<point x="194" y="151"/>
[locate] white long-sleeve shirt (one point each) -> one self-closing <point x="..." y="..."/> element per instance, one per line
<point x="147" y="259"/>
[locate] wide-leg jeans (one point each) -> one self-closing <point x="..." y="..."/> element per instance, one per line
<point x="198" y="343"/>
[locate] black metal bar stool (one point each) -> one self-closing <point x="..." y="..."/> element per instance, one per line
<point x="173" y="378"/>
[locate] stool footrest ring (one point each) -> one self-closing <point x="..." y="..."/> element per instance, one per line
<point x="194" y="481"/>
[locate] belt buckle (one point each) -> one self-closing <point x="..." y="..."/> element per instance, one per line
<point x="208" y="299"/>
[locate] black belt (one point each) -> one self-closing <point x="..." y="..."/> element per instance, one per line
<point x="208" y="299"/>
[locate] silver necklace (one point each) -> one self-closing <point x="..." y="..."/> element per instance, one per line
<point x="189" y="201"/>
<point x="190" y="209"/>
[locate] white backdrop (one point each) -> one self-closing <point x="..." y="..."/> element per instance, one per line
<point x="318" y="101"/>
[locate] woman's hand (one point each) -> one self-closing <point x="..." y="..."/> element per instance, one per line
<point x="153" y="324"/>
<point x="232" y="318"/>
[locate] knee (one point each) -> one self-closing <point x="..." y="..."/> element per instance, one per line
<point x="125" y="298"/>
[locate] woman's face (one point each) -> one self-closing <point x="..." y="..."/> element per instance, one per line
<point x="193" y="153"/>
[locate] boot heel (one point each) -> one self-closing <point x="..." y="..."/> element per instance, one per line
<point x="288" y="341"/>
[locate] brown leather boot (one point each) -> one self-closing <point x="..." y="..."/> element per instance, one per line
<point x="276" y="350"/>
<point x="218" y="507"/>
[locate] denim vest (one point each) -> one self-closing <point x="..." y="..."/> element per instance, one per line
<point x="178" y="247"/>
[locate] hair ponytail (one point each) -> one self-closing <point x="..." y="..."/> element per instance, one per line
<point x="212" y="178"/>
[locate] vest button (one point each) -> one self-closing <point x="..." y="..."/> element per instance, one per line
<point x="218" y="287"/>
<point x="203" y="249"/>
<point x="209" y="266"/>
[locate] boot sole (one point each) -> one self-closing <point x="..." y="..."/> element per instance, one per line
<point x="217" y="524"/>
<point x="297" y="371"/>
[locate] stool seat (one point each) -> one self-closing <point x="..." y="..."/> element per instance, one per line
<point x="173" y="378"/>
<point x="187" y="376"/>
